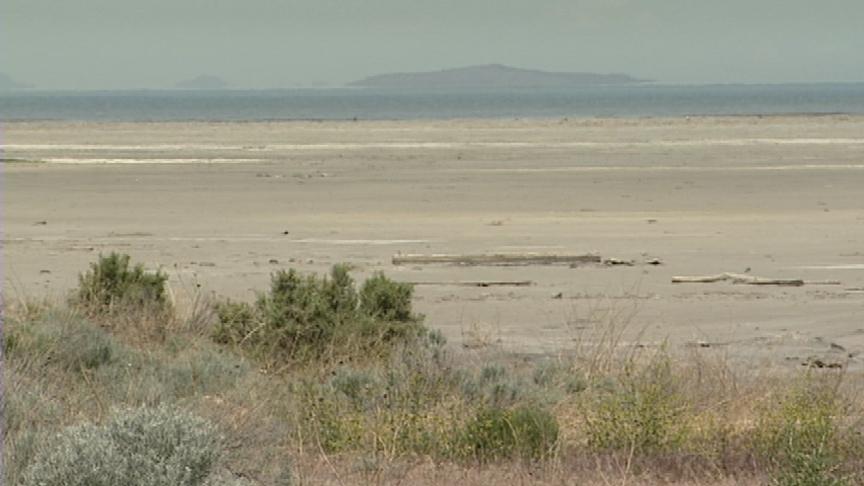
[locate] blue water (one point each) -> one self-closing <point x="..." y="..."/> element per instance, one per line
<point x="346" y="104"/>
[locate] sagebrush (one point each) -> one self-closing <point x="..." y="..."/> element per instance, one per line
<point x="145" y="447"/>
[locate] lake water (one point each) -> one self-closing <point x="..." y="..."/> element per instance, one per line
<point x="376" y="104"/>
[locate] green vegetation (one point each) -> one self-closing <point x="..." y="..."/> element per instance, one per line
<point x="801" y="436"/>
<point x="114" y="288"/>
<point x="325" y="381"/>
<point x="642" y="413"/>
<point x="126" y="297"/>
<point x="527" y="432"/>
<point x="309" y="317"/>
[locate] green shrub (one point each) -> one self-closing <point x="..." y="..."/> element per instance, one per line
<point x="495" y="433"/>
<point x="382" y="298"/>
<point x="800" y="436"/>
<point x="643" y="413"/>
<point x="112" y="285"/>
<point x="144" y="447"/>
<point x="308" y="316"/>
<point x="339" y="292"/>
<point x="236" y="322"/>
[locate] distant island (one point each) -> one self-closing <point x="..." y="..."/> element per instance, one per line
<point x="7" y="83"/>
<point x="492" y="76"/>
<point x="204" y="81"/>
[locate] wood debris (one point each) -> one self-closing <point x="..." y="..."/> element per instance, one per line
<point x="618" y="261"/>
<point x="481" y="283"/>
<point x="497" y="259"/>
<point x="739" y="278"/>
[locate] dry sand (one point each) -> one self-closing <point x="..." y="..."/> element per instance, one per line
<point x="218" y="204"/>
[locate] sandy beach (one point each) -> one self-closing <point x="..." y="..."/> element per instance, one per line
<point x="223" y="205"/>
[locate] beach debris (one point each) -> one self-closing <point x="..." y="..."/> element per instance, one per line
<point x="821" y="364"/>
<point x="501" y="259"/>
<point x="618" y="261"/>
<point x="739" y="278"/>
<point x="653" y="261"/>
<point x="133" y="234"/>
<point x="480" y="283"/>
<point x="273" y="261"/>
<point x="40" y="223"/>
<point x="559" y="295"/>
<point x="837" y="347"/>
<point x="703" y="344"/>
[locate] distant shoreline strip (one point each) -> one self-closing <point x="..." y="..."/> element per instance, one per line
<point x="742" y="142"/>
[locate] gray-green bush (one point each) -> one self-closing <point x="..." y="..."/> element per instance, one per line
<point x="152" y="378"/>
<point x="144" y="447"/>
<point x="62" y="339"/>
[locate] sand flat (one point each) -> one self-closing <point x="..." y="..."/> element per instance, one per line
<point x="782" y="196"/>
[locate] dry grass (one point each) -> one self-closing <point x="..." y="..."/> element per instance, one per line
<point x="624" y="414"/>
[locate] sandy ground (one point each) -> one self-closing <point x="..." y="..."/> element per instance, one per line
<point x="224" y="205"/>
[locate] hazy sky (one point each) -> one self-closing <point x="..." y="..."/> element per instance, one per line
<point x="275" y="43"/>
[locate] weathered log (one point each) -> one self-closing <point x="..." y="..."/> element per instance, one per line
<point x="791" y="282"/>
<point x="496" y="259"/>
<point x="481" y="283"/>
<point x="739" y="278"/>
<point x="701" y="279"/>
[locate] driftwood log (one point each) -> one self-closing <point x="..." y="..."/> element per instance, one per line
<point x="497" y="259"/>
<point x="739" y="278"/>
<point x="481" y="283"/>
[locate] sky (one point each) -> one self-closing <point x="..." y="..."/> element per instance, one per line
<point x="127" y="44"/>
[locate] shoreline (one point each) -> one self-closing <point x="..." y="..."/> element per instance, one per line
<point x="786" y="210"/>
<point x="433" y="120"/>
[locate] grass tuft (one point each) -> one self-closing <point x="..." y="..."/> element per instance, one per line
<point x="525" y="432"/>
